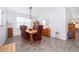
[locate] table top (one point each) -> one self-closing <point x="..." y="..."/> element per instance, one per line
<point x="31" y="31"/>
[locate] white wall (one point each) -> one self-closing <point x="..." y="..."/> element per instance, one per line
<point x="2" y="35"/>
<point x="3" y="28"/>
<point x="57" y="22"/>
<point x="11" y="18"/>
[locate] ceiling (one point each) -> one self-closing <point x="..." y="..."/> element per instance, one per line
<point x="39" y="11"/>
<point x="35" y="10"/>
<point x="74" y="11"/>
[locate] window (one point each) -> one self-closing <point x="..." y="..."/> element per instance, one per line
<point x="45" y="23"/>
<point x="24" y="21"/>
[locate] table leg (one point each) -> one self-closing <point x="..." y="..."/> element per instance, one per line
<point x="31" y="40"/>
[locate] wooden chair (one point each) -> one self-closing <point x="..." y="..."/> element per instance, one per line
<point x="24" y="35"/>
<point x="38" y="35"/>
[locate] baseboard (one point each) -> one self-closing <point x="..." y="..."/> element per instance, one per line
<point x="58" y="38"/>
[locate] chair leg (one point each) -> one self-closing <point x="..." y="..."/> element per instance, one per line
<point x="23" y="39"/>
<point x="39" y="42"/>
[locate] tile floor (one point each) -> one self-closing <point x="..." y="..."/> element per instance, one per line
<point x="47" y="45"/>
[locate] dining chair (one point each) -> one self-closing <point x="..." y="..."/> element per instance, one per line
<point x="24" y="35"/>
<point x="38" y="35"/>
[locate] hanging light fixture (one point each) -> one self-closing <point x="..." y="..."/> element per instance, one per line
<point x="30" y="12"/>
<point x="31" y="18"/>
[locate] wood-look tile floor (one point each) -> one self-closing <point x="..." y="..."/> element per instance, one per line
<point x="47" y="45"/>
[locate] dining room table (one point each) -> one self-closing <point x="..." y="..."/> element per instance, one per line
<point x="31" y="33"/>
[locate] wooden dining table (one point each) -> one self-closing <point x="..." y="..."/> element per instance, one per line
<point x="31" y="32"/>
